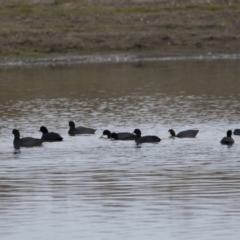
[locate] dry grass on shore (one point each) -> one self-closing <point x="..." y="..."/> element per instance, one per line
<point x="40" y="27"/>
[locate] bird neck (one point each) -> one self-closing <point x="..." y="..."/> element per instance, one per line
<point x="138" y="135"/>
<point x="17" y="136"/>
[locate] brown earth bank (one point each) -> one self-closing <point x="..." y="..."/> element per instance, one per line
<point x="77" y="27"/>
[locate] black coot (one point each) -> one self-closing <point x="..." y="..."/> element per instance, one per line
<point x="49" y="136"/>
<point x="26" y="141"/>
<point x="227" y="140"/>
<point x="184" y="134"/>
<point x="79" y="130"/>
<point x="123" y="136"/>
<point x="145" y="139"/>
<point x="236" y="132"/>
<point x="119" y="136"/>
<point x="106" y="133"/>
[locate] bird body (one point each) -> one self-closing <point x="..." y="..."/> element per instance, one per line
<point x="145" y="139"/>
<point x="124" y="136"/>
<point x="26" y="141"/>
<point x="236" y="132"/>
<point x="49" y="136"/>
<point x="184" y="134"/>
<point x="119" y="136"/>
<point x="227" y="140"/>
<point x="79" y="130"/>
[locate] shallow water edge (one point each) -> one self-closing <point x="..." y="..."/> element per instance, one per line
<point x="112" y="58"/>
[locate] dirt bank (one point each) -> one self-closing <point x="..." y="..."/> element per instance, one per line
<point x="50" y="27"/>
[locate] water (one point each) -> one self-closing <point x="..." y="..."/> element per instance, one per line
<point x="91" y="188"/>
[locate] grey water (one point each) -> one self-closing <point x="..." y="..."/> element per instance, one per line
<point x="87" y="187"/>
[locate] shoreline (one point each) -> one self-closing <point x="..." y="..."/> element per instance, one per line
<point x="49" y="28"/>
<point x="111" y="58"/>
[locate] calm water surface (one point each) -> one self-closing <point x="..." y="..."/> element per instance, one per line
<point x="90" y="188"/>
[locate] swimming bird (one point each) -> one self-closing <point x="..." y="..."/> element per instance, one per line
<point x="49" y="136"/>
<point x="26" y="141"/>
<point x="106" y="133"/>
<point x="123" y="136"/>
<point x="79" y="130"/>
<point x="145" y="139"/>
<point x="120" y="136"/>
<point x="236" y="132"/>
<point x="227" y="140"/>
<point x="184" y="134"/>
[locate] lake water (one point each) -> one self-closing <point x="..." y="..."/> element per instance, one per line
<point x="91" y="188"/>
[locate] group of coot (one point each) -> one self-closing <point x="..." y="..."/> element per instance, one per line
<point x="124" y="136"/>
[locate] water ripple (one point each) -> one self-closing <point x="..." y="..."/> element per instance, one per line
<point x="92" y="188"/>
